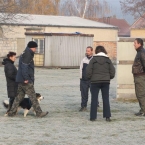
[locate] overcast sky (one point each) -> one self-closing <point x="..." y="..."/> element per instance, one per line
<point x="116" y="10"/>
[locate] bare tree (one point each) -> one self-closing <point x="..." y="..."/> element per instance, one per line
<point x="11" y="10"/>
<point x="9" y="13"/>
<point x="134" y="7"/>
<point x="41" y="7"/>
<point x="85" y="8"/>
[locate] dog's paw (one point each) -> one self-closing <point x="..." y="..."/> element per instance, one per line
<point x="6" y="101"/>
<point x="6" y="115"/>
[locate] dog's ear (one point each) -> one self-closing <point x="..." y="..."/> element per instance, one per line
<point x="38" y="95"/>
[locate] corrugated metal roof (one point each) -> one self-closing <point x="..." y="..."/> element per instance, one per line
<point x="63" y="21"/>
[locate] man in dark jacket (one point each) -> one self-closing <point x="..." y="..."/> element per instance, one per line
<point x="25" y="79"/>
<point x="84" y="81"/>
<point x="138" y="70"/>
<point x="10" y="73"/>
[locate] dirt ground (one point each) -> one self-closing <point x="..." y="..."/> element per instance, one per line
<point x="65" y="125"/>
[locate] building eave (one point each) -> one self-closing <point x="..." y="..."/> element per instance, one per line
<point x="43" y="25"/>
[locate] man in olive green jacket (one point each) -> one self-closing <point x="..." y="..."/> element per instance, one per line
<point x="138" y="70"/>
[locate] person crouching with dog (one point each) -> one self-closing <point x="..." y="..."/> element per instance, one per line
<point x="25" y="79"/>
<point x="10" y="74"/>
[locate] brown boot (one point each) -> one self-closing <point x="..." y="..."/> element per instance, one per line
<point x="83" y="109"/>
<point x="42" y="114"/>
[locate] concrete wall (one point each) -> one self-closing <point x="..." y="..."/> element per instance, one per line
<point x="125" y="56"/>
<point x="15" y="45"/>
<point x="20" y="46"/>
<point x="99" y="33"/>
<point x="140" y="32"/>
<point x="7" y="44"/>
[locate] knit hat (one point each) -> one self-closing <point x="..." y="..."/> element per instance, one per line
<point x="32" y="44"/>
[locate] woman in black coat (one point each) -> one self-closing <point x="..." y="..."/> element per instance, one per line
<point x="10" y="73"/>
<point x="100" y="71"/>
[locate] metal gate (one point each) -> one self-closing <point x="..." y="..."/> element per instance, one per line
<point x="39" y="55"/>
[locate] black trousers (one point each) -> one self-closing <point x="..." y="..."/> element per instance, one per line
<point x="84" y="88"/>
<point x="95" y="88"/>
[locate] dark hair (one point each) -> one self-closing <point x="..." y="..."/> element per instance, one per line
<point x="100" y="49"/>
<point x="10" y="54"/>
<point x="139" y="41"/>
<point x="90" y="48"/>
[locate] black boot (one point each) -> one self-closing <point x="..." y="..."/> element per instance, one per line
<point x="108" y="119"/>
<point x="11" y="100"/>
<point x="92" y="120"/>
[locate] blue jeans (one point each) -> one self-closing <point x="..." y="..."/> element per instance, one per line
<point x="95" y="88"/>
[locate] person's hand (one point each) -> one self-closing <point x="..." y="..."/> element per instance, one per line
<point x="26" y="82"/>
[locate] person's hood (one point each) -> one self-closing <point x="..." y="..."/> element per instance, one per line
<point x="6" y="61"/>
<point x="101" y="54"/>
<point x="100" y="58"/>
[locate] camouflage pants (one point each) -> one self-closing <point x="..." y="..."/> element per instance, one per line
<point x="22" y="90"/>
<point x="140" y="91"/>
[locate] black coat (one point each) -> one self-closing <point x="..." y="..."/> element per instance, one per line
<point x="100" y="69"/>
<point x="138" y="67"/>
<point x="10" y="73"/>
<point x="26" y="67"/>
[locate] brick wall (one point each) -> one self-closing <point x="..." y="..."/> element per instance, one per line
<point x="7" y="45"/>
<point x="111" y="48"/>
<point x="15" y="45"/>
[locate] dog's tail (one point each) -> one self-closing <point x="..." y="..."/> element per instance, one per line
<point x="6" y="104"/>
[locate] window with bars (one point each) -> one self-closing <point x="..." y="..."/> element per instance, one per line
<point x="40" y="42"/>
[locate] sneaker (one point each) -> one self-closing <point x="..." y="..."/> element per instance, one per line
<point x="139" y="114"/>
<point x="108" y="119"/>
<point x="43" y="114"/>
<point x="83" y="109"/>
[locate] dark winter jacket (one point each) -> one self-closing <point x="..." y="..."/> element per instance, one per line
<point x="26" y="67"/>
<point x="83" y="66"/>
<point x="10" y="73"/>
<point x="138" y="67"/>
<point x="100" y="69"/>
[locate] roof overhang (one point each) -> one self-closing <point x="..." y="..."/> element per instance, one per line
<point x="43" y="25"/>
<point x="57" y="34"/>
